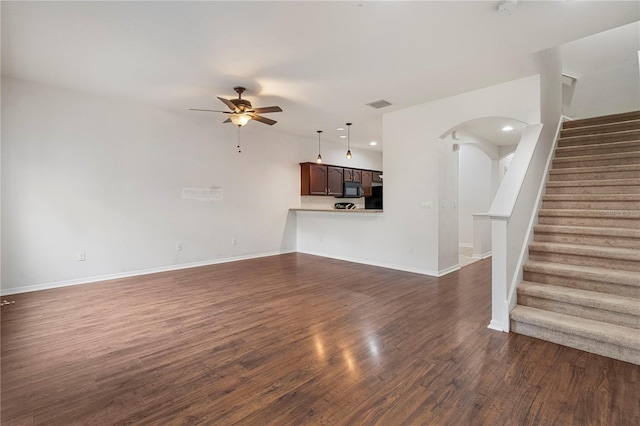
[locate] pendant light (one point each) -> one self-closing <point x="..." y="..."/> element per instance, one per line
<point x="349" y="141"/>
<point x="319" y="159"/>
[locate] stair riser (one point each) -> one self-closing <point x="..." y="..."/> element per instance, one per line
<point x="596" y="189"/>
<point x="582" y="260"/>
<point x="587" y="312"/>
<point x="595" y="205"/>
<point x="598" y="139"/>
<point x="582" y="284"/>
<point x="589" y="221"/>
<point x="598" y="150"/>
<point x="568" y="163"/>
<point x="578" y="342"/>
<point x="601" y="129"/>
<point x="556" y="176"/>
<point x="608" y="119"/>
<point x="591" y="240"/>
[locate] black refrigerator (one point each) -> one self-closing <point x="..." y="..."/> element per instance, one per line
<point x="375" y="201"/>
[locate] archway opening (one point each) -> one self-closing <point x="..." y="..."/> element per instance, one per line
<point x="484" y="148"/>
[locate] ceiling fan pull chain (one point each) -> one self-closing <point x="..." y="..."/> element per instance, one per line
<point x="239" y="151"/>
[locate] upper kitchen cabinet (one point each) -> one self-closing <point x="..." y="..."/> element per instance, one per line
<point x="313" y="179"/>
<point x="322" y="179"/>
<point x="367" y="180"/>
<point x="348" y="175"/>
<point x="352" y="175"/>
<point x="334" y="180"/>
<point x="318" y="179"/>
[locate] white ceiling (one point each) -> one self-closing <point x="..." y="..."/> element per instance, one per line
<point x="490" y="130"/>
<point x="320" y="61"/>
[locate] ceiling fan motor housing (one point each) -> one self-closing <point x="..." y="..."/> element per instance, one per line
<point x="241" y="104"/>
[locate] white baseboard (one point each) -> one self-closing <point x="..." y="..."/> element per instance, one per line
<point x="481" y="256"/>
<point x="374" y="263"/>
<point x="99" y="278"/>
<point x="93" y="279"/>
<point x="496" y="325"/>
<point x="449" y="270"/>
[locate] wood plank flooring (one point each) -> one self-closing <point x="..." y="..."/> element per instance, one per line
<point x="293" y="339"/>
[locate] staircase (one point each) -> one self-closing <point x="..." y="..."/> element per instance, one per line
<point x="581" y="283"/>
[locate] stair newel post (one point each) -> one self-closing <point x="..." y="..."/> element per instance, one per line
<point x="500" y="280"/>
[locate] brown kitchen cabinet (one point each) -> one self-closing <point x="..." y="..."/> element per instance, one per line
<point x="367" y="180"/>
<point x="352" y="175"/>
<point x="323" y="179"/>
<point x="319" y="179"/>
<point x="334" y="180"/>
<point x="348" y="175"/>
<point x="313" y="179"/>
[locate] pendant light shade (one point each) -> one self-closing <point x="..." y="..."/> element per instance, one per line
<point x="349" y="141"/>
<point x="319" y="158"/>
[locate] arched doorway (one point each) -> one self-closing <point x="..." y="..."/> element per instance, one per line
<point x="484" y="148"/>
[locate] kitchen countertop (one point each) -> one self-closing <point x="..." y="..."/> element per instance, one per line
<point x="337" y="210"/>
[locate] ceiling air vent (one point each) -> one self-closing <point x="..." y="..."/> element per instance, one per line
<point x="379" y="104"/>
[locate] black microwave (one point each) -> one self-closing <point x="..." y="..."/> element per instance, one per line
<point x="352" y="190"/>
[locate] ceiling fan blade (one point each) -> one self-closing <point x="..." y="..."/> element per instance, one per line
<point x="230" y="104"/>
<point x="209" y="110"/>
<point x="261" y="119"/>
<point x="228" y="120"/>
<point x="267" y="109"/>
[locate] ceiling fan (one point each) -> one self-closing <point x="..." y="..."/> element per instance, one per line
<point x="242" y="111"/>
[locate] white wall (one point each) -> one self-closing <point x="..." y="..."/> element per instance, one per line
<point x="606" y="66"/>
<point x="418" y="230"/>
<point x="412" y="171"/>
<point x="105" y="176"/>
<point x="476" y="188"/>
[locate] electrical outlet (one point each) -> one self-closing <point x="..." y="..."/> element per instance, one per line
<point x="179" y="247"/>
<point x="81" y="256"/>
<point x="234" y="241"/>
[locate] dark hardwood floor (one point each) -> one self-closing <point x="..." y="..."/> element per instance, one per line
<point x="294" y="339"/>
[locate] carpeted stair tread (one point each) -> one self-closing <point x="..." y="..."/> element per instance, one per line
<point x="595" y="182"/>
<point x="569" y="151"/>
<point x="588" y="230"/>
<point x="591" y="197"/>
<point x="594" y="121"/>
<point x="618" y="214"/>
<point x="595" y="169"/>
<point x="592" y="299"/>
<point x="603" y="128"/>
<point x="628" y="278"/>
<point x="596" y="330"/>
<point x="587" y="250"/>
<point x="595" y="157"/>
<point x="599" y="139"/>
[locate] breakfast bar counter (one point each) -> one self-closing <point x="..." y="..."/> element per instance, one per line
<point x="300" y="209"/>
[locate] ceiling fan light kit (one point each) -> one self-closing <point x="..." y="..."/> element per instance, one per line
<point x="239" y="119"/>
